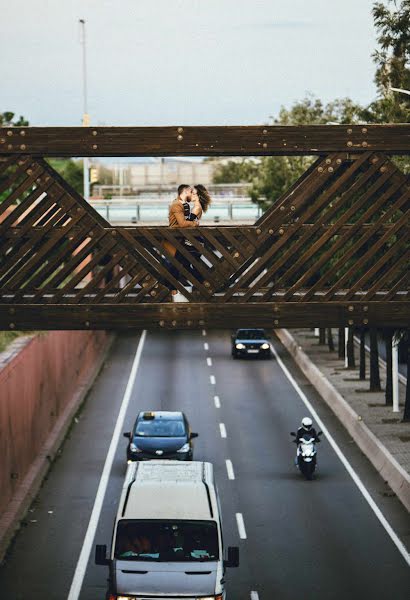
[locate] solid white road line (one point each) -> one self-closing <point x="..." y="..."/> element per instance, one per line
<point x="212" y="379"/>
<point x="206" y="346"/>
<point x="229" y="468"/>
<point x="222" y="429"/>
<point x="209" y="361"/>
<point x="241" y="526"/>
<point x="254" y="596"/>
<point x="217" y="402"/>
<point x="81" y="567"/>
<point x="204" y="332"/>
<point x="394" y="537"/>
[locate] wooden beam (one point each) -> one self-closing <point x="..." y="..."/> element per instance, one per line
<point x="204" y="141"/>
<point x="197" y="315"/>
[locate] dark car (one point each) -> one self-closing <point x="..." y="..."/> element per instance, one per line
<point x="160" y="434"/>
<point x="251" y="342"/>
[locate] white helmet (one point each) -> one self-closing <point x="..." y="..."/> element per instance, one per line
<point x="307" y="423"/>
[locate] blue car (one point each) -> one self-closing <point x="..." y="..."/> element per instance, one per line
<point x="251" y="342"/>
<point x="160" y="435"/>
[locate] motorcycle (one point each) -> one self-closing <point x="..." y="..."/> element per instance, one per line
<point x="306" y="454"/>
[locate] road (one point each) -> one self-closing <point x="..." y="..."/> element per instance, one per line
<point x="317" y="539"/>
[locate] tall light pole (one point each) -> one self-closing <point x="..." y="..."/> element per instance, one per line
<point x="86" y="117"/>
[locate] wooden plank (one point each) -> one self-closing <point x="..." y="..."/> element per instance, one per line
<point x="204" y="141"/>
<point x="194" y="316"/>
<point x="308" y="201"/>
<point x="321" y="242"/>
<point x="363" y="233"/>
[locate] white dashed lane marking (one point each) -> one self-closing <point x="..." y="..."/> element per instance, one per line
<point x="204" y="332"/>
<point x="206" y="346"/>
<point x="212" y="379"/>
<point x="229" y="468"/>
<point x="241" y="526"/>
<point x="209" y="362"/>
<point x="254" y="596"/>
<point x="217" y="402"/>
<point x="222" y="429"/>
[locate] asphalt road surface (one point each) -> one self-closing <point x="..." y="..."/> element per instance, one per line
<point x="315" y="539"/>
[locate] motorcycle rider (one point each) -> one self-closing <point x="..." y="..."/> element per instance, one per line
<point x="306" y="430"/>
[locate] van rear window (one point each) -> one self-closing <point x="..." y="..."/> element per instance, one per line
<point x="167" y="541"/>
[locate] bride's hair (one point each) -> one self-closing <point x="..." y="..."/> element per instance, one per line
<point x="204" y="197"/>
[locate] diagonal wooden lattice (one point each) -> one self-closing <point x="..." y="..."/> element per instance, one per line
<point x="339" y="235"/>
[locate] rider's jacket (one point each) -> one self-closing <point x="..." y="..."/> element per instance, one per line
<point x="302" y="432"/>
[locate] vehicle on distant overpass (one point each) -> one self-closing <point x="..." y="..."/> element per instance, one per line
<point x="160" y="434"/>
<point x="167" y="540"/>
<point x="251" y="342"/>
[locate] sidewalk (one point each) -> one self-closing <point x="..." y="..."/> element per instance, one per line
<point x="374" y="426"/>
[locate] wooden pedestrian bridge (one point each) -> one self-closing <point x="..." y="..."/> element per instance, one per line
<point x="332" y="251"/>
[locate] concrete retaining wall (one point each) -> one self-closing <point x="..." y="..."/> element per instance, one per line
<point x="41" y="388"/>
<point x="391" y="471"/>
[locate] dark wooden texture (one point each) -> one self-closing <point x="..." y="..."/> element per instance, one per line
<point x="333" y="251"/>
<point x="197" y="315"/>
<point x="204" y="141"/>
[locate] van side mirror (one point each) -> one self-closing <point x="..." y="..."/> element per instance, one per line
<point x="101" y="555"/>
<point x="127" y="434"/>
<point x="193" y="435"/>
<point x="320" y="433"/>
<point x="292" y="433"/>
<point x="233" y="557"/>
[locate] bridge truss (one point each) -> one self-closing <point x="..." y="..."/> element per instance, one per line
<point x="332" y="251"/>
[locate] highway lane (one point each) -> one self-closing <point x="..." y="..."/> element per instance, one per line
<point x="319" y="538"/>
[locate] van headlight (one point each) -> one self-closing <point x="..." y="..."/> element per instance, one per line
<point x="265" y="346"/>
<point x="134" y="448"/>
<point x="240" y="346"/>
<point x="184" y="448"/>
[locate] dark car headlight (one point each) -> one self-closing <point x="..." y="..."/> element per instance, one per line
<point x="134" y="448"/>
<point x="185" y="448"/>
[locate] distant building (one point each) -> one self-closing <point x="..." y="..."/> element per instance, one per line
<point x="153" y="173"/>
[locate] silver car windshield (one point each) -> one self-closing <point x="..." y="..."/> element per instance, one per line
<point x="167" y="541"/>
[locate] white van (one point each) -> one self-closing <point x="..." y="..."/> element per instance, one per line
<point x="167" y="540"/>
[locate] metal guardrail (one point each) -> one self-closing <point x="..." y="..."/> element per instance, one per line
<point x="132" y="210"/>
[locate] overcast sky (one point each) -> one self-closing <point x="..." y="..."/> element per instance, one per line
<point x="199" y="62"/>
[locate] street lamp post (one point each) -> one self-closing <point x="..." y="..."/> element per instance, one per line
<point x="86" y="117"/>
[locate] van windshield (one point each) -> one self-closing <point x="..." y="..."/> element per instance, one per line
<point x="167" y="541"/>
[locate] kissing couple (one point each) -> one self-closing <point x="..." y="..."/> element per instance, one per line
<point x="182" y="214"/>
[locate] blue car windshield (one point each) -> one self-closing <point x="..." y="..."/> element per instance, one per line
<point x="251" y="334"/>
<point x="160" y="428"/>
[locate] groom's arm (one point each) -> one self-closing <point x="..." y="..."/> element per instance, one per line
<point x="178" y="211"/>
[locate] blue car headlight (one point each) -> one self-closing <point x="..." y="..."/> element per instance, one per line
<point x="184" y="448"/>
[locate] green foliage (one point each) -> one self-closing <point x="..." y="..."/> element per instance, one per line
<point x="70" y="170"/>
<point x="271" y="176"/>
<point x="241" y="171"/>
<point x="392" y="58"/>
<point x="7" y="120"/>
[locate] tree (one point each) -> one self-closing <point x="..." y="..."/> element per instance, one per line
<point x="70" y="170"/>
<point x="392" y="59"/>
<point x="235" y="171"/>
<point x="7" y="120"/>
<point x="271" y="176"/>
